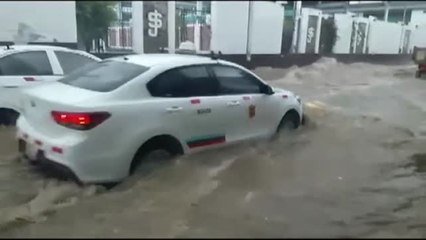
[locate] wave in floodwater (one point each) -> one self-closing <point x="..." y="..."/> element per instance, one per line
<point x="328" y="76"/>
<point x="42" y="196"/>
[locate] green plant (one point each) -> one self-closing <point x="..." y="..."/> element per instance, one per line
<point x="328" y="35"/>
<point x="93" y="20"/>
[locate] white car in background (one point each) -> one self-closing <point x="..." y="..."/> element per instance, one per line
<point x="98" y="123"/>
<point x="28" y="65"/>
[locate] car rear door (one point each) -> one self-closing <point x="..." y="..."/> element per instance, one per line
<point x="21" y="69"/>
<point x="187" y="96"/>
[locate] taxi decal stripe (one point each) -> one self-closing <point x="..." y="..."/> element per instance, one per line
<point x="206" y="141"/>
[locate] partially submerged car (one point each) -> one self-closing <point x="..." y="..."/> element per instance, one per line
<point x="27" y="65"/>
<point x="97" y="124"/>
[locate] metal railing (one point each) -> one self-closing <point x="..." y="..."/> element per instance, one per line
<point x="120" y="36"/>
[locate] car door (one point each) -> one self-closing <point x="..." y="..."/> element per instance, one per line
<point x="21" y="69"/>
<point x="69" y="61"/>
<point x="192" y="110"/>
<point x="253" y="113"/>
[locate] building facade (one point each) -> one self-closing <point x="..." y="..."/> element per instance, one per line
<point x="408" y="12"/>
<point x="120" y="32"/>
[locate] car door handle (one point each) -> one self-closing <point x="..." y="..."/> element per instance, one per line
<point x="174" y="109"/>
<point x="233" y="103"/>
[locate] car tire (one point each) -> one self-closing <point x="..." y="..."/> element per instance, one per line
<point x="8" y="117"/>
<point x="289" y="122"/>
<point x="149" y="154"/>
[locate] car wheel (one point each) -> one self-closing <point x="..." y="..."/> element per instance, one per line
<point x="8" y="117"/>
<point x="289" y="122"/>
<point x="148" y="158"/>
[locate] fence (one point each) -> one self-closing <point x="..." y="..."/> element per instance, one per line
<point x="193" y="26"/>
<point x="120" y="36"/>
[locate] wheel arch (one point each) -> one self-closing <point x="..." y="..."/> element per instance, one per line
<point x="6" y="114"/>
<point x="292" y="111"/>
<point x="162" y="141"/>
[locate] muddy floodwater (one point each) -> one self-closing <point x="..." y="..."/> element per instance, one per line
<point x="355" y="170"/>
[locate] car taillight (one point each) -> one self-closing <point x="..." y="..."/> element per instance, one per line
<point x="79" y="120"/>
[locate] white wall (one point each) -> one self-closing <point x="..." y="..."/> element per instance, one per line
<point x="52" y="20"/>
<point x="384" y="37"/>
<point x="418" y="17"/>
<point x="418" y="37"/>
<point x="343" y="23"/>
<point x="266" y="32"/>
<point x="229" y="24"/>
<point x="229" y="21"/>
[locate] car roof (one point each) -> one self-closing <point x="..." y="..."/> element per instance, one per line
<point x="19" y="48"/>
<point x="151" y="60"/>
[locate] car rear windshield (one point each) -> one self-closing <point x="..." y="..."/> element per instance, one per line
<point x="104" y="76"/>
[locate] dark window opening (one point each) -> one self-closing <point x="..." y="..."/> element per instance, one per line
<point x="183" y="82"/>
<point x="235" y="81"/>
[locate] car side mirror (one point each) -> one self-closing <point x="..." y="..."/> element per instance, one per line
<point x="266" y="89"/>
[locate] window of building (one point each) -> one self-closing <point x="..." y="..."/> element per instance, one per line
<point x="127" y="4"/>
<point x="395" y="15"/>
<point x="407" y="17"/>
<point x="380" y="15"/>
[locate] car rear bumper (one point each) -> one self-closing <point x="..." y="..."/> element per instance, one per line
<point x="72" y="154"/>
<point x="51" y="168"/>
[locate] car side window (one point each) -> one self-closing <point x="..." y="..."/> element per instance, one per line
<point x="71" y="61"/>
<point x="235" y="81"/>
<point x="34" y="63"/>
<point x="183" y="82"/>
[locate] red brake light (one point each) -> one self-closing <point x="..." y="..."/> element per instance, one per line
<point x="80" y="121"/>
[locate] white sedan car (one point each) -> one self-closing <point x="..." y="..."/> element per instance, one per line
<point x="28" y="65"/>
<point x="100" y="122"/>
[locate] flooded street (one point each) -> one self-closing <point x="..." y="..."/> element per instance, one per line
<point x="355" y="170"/>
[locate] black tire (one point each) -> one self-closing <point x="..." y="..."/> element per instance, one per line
<point x="8" y="117"/>
<point x="158" y="154"/>
<point x="154" y="152"/>
<point x="289" y="122"/>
